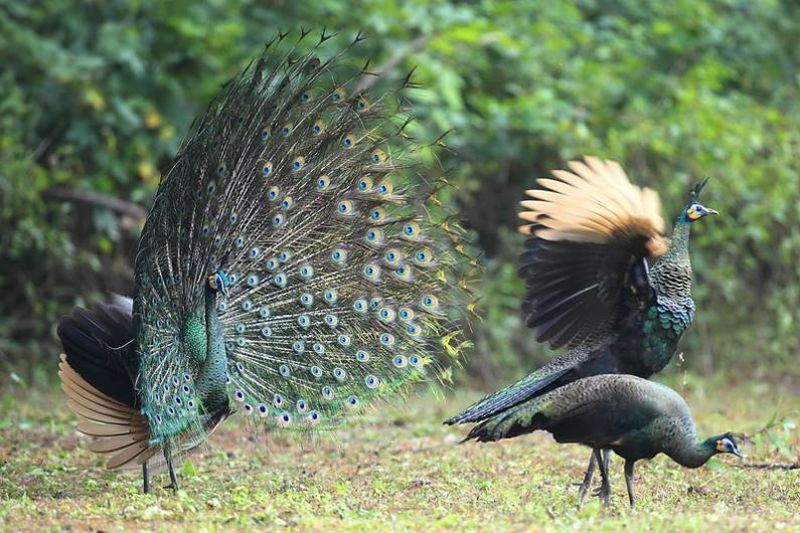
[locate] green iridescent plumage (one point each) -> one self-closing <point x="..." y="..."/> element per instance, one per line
<point x="294" y="266"/>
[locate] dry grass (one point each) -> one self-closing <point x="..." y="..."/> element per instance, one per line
<point x="399" y="469"/>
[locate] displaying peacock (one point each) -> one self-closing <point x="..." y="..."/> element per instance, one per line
<point x="634" y="417"/>
<point x="590" y="286"/>
<point x="294" y="267"/>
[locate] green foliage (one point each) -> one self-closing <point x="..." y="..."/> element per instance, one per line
<point x="97" y="95"/>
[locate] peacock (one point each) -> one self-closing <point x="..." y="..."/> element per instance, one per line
<point x="295" y="266"/>
<point x="590" y="286"/>
<point x="634" y="417"/>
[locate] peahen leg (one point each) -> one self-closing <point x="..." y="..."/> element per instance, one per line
<point x="629" y="480"/>
<point x="607" y="463"/>
<point x="145" y="479"/>
<point x="605" y="486"/>
<point x="587" y="478"/>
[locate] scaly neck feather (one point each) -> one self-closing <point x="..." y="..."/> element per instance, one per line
<point x="672" y="273"/>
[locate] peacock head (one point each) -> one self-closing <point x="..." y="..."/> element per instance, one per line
<point x="724" y="444"/>
<point x="218" y="281"/>
<point x="694" y="210"/>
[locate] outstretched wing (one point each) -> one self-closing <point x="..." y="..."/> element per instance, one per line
<point x="591" y="231"/>
<point x="340" y="262"/>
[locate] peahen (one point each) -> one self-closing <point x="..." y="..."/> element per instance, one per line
<point x="293" y="267"/>
<point x="590" y="286"/>
<point x="634" y="417"/>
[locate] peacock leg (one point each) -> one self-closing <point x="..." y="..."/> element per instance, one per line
<point x="172" y="477"/>
<point x="587" y="478"/>
<point x="145" y="479"/>
<point x="629" y="480"/>
<point x="605" y="486"/>
<point x="606" y="463"/>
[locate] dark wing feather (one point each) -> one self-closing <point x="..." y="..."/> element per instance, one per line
<point x="585" y="260"/>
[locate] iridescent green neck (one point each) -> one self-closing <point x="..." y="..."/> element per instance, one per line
<point x="693" y="455"/>
<point x="679" y="242"/>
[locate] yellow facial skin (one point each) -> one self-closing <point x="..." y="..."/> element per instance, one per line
<point x="692" y="213"/>
<point x="720" y="446"/>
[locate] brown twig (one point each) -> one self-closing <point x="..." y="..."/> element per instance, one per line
<point x="771" y="466"/>
<point x="95" y="199"/>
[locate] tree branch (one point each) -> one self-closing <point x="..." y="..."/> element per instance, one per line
<point x="95" y="199"/>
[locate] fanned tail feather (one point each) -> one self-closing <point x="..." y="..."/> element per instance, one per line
<point x="342" y="266"/>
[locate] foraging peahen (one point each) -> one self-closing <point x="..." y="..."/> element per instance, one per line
<point x="590" y="286"/>
<point x="292" y="267"/>
<point x="634" y="417"/>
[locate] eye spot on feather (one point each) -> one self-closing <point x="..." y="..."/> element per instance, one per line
<point x="378" y="214"/>
<point x="306" y="299"/>
<point x="385" y="188"/>
<point x="387" y="339"/>
<point x="301" y="405"/>
<point x="287" y="203"/>
<point x="248" y="408"/>
<point x="284" y="256"/>
<point x="222" y="307"/>
<point x="361" y="103"/>
<point x="266" y="170"/>
<point x="318" y="348"/>
<point x="349" y="140"/>
<point x="241" y="341"/>
<point x="253" y="253"/>
<point x="386" y="314"/>
<point x="372" y="382"/>
<point x="352" y="402"/>
<point x="278" y="220"/>
<point x="284" y="419"/>
<point x="272" y="263"/>
<point x="239" y="395"/>
<point x="330" y="296"/>
<point x="343" y="340"/>
<point x="211" y="187"/>
<point x="305" y="97"/>
<point x="411" y="231"/>
<point x="263" y="312"/>
<point x="313" y="418"/>
<point x="375" y="236"/>
<point x="375" y="302"/>
<point x="304" y="321"/>
<point x="298" y="163"/>
<point x="413" y="330"/>
<point x="345" y="208"/>
<point x="266" y="331"/>
<point x="339" y="374"/>
<point x="318" y="127"/>
<point x="360" y="306"/>
<point x="262" y="409"/>
<point x="331" y="320"/>
<point x="392" y="257"/>
<point x="339" y="256"/>
<point x="287" y="129"/>
<point x="233" y="218"/>
<point x="327" y="392"/>
<point x="339" y="94"/>
<point x="306" y="272"/>
<point x="364" y="184"/>
<point x="264" y="134"/>
<point x="240" y="328"/>
<point x="423" y="257"/>
<point x="299" y="346"/>
<point x="372" y="272"/>
<point x="316" y="371"/>
<point x="280" y="280"/>
<point x="406" y="314"/>
<point x="429" y="302"/>
<point x="284" y="371"/>
<point x="273" y="193"/>
<point x="403" y="273"/>
<point x="362" y="356"/>
<point x="222" y="170"/>
<point x="400" y="361"/>
<point x="277" y="400"/>
<point x="252" y="281"/>
<point x="323" y="183"/>
<point x="377" y="156"/>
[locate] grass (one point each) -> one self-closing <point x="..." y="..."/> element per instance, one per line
<point x="400" y="469"/>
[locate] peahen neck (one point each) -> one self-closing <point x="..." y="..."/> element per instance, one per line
<point x="672" y="273"/>
<point x="692" y="454"/>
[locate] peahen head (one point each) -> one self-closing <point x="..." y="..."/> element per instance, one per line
<point x="723" y="444"/>
<point x="694" y="210"/>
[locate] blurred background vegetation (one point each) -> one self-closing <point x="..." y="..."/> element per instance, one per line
<point x="95" y="96"/>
